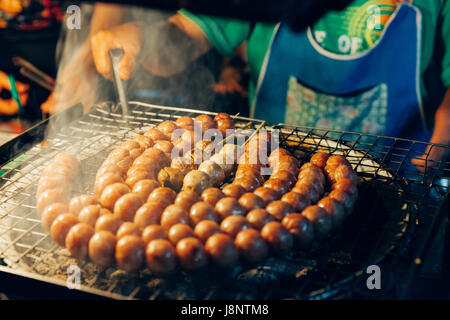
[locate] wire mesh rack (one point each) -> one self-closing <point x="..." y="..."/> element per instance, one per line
<point x="393" y="219"/>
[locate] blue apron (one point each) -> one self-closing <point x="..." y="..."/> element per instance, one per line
<point x="376" y="91"/>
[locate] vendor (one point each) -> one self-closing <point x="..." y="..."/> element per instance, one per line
<point x="361" y="69"/>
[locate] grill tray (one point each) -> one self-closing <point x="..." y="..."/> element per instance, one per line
<point x="392" y="222"/>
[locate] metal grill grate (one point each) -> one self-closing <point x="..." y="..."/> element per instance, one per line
<point x="394" y="215"/>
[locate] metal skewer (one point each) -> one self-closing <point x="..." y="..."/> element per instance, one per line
<point x="116" y="55"/>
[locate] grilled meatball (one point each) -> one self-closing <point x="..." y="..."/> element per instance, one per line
<point x="278" y="185"/>
<point x="164" y="145"/>
<point x="298" y="201"/>
<point x="102" y="248"/>
<point x="153" y="232"/>
<point x="61" y="226"/>
<point x="130" y="145"/>
<point x="347" y="186"/>
<point x="130" y="253"/>
<point x="143" y="188"/>
<point x="206" y="122"/>
<point x="321" y="220"/>
<point x="125" y="164"/>
<point x="251" y="201"/>
<point x="105" y="180"/>
<point x="185" y="123"/>
<point x="149" y="213"/>
<point x="345" y="172"/>
<point x="112" y="193"/>
<point x="222" y="250"/>
<point x="279" y="209"/>
<point x="228" y="206"/>
<point x="163" y="195"/>
<point x="117" y="154"/>
<point x="108" y="222"/>
<point x="50" y="196"/>
<point x="334" y="208"/>
<point x="233" y="191"/>
<point x="171" y="178"/>
<point x="214" y="171"/>
<point x="258" y="218"/>
<point x="248" y="183"/>
<point x="160" y="257"/>
<point x="172" y="215"/>
<point x="191" y="254"/>
<point x="336" y="160"/>
<point x="77" y="240"/>
<point x="128" y="228"/>
<point x="137" y="175"/>
<point x="300" y="227"/>
<point x="196" y="181"/>
<point x="343" y="197"/>
<point x="278" y="237"/>
<point x="233" y="224"/>
<point x="186" y="199"/>
<point x="205" y="229"/>
<point x="308" y="191"/>
<point x="212" y="195"/>
<point x="276" y="154"/>
<point x="156" y="134"/>
<point x="180" y="231"/>
<point x="267" y="194"/>
<point x="223" y="125"/>
<point x="252" y="247"/>
<point x="167" y="127"/>
<point x="91" y="213"/>
<point x="320" y="159"/>
<point x="126" y="206"/>
<point x="312" y="172"/>
<point x="51" y="212"/>
<point x="285" y="176"/>
<point x="144" y="141"/>
<point x="202" y="211"/>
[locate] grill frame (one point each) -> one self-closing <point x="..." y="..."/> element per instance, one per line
<point x="108" y="115"/>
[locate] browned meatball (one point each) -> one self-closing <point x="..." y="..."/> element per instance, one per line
<point x="112" y="193"/>
<point x="156" y="134"/>
<point x="205" y="229"/>
<point x="251" y="201"/>
<point x="320" y="159"/>
<point x="196" y="181"/>
<point x="285" y="176"/>
<point x="171" y="178"/>
<point x="144" y="141"/>
<point x="222" y="250"/>
<point x="206" y="122"/>
<point x="163" y="195"/>
<point x="229" y="206"/>
<point x="214" y="171"/>
<point x="202" y="211"/>
<point x="180" y="231"/>
<point x="233" y="224"/>
<point x="61" y="226"/>
<point x="311" y="183"/>
<point x="276" y="154"/>
<point x="185" y="122"/>
<point x="91" y="213"/>
<point x="248" y="183"/>
<point x="137" y="175"/>
<point x="346" y="186"/>
<point x="51" y="212"/>
<point x="278" y="237"/>
<point x="267" y="194"/>
<point x="321" y="220"/>
<point x="149" y="213"/>
<point x="160" y="257"/>
<point x="343" y="197"/>
<point x="308" y="191"/>
<point x="298" y="201"/>
<point x="156" y="157"/>
<point x="233" y="191"/>
<point x="108" y="222"/>
<point x="102" y="247"/>
<point x="223" y="125"/>
<point x="144" y="187"/>
<point x="278" y="185"/>
<point x="128" y="228"/>
<point x="50" y="196"/>
<point x="334" y="208"/>
<point x="252" y="247"/>
<point x="300" y="227"/>
<point x="172" y="215"/>
<point x="212" y="195"/>
<point x="126" y="206"/>
<point x="77" y="240"/>
<point x="191" y="254"/>
<point x="312" y="173"/>
<point x="222" y="115"/>
<point x="167" y="127"/>
<point x="105" y="180"/>
<point x="130" y="145"/>
<point x="153" y="232"/>
<point x="130" y="253"/>
<point x="164" y="145"/>
<point x="258" y="218"/>
<point x="279" y="209"/>
<point x="186" y="199"/>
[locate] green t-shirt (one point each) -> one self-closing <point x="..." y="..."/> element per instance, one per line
<point x="352" y="30"/>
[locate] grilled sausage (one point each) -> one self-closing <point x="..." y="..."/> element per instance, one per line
<point x="250" y="201"/>
<point x="172" y="215"/>
<point x="69" y="160"/>
<point x="112" y="193"/>
<point x="222" y="250"/>
<point x="137" y="175"/>
<point x="205" y="229"/>
<point x="167" y="127"/>
<point x="50" y="196"/>
<point x="128" y="228"/>
<point x="279" y="209"/>
<point x="223" y="125"/>
<point x="228" y="206"/>
<point x="277" y="185"/>
<point x="130" y="253"/>
<point x="51" y="212"/>
<point x="156" y="134"/>
<point x="61" y="226"/>
<point x="126" y="206"/>
<point x="77" y="240"/>
<point x="144" y="187"/>
<point x="336" y="160"/>
<point x="345" y="172"/>
<point x="160" y="257"/>
<point x="233" y="191"/>
<point x="144" y="141"/>
<point x="308" y="191"/>
<point x="343" y="197"/>
<point x="320" y="159"/>
<point x="186" y="199"/>
<point x="278" y="238"/>
<point x="206" y="122"/>
<point x="180" y="231"/>
<point x="102" y="248"/>
<point x="321" y="220"/>
<point x="149" y="213"/>
<point x="258" y="218"/>
<point x="108" y="222"/>
<point x="347" y="186"/>
<point x="249" y="183"/>
<point x="276" y="154"/>
<point x="191" y="254"/>
<point x="267" y="194"/>
<point x="252" y="247"/>
<point x="298" y="201"/>
<point x="233" y="224"/>
<point x="285" y="176"/>
<point x="334" y="208"/>
<point x="130" y="145"/>
<point x="212" y="195"/>
<point x="163" y="195"/>
<point x="91" y="213"/>
<point x="202" y="211"/>
<point x="164" y="145"/>
<point x="153" y="232"/>
<point x="105" y="180"/>
<point x="301" y="228"/>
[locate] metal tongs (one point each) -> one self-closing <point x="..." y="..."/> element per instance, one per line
<point x="119" y="85"/>
<point x="34" y="74"/>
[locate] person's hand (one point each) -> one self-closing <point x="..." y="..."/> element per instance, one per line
<point x="9" y="106"/>
<point x="229" y="82"/>
<point x="126" y="37"/>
